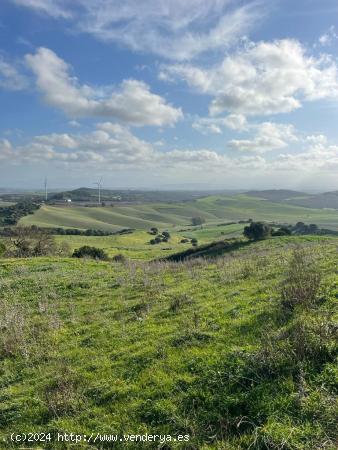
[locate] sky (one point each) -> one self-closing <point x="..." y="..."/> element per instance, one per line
<point x="169" y="94"/>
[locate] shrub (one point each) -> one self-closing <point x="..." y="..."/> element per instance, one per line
<point x="90" y="252"/>
<point x="302" y="282"/>
<point x="119" y="258"/>
<point x="257" y="230"/>
<point x="153" y="231"/>
<point x="184" y="241"/>
<point x="31" y="241"/>
<point x="194" y="242"/>
<point x="166" y="234"/>
<point x="179" y="301"/>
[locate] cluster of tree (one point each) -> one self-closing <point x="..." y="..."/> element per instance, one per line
<point x="11" y="231"/>
<point x="30" y="242"/>
<point x="261" y="230"/>
<point x="10" y="215"/>
<point x="160" y="237"/>
<point x="257" y="230"/>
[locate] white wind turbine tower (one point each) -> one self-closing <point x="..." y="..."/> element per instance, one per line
<point x="99" y="187"/>
<point x="46" y="189"/>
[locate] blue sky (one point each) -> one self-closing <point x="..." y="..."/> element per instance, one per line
<point x="169" y="94"/>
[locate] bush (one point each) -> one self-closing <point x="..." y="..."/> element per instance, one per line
<point x="194" y="242"/>
<point x="31" y="241"/>
<point x="184" y="241"/>
<point x="166" y="234"/>
<point x="90" y="252"/>
<point x="119" y="258"/>
<point x="153" y="231"/>
<point x="302" y="282"/>
<point x="257" y="230"/>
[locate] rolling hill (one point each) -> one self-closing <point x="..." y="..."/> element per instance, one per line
<point x="276" y="195"/>
<point x="320" y="201"/>
<point x="214" y="209"/>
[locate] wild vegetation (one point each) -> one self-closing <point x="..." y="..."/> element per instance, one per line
<point x="10" y="215"/>
<point x="237" y="351"/>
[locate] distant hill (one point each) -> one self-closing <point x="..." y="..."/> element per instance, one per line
<point x="276" y="195"/>
<point x="84" y="194"/>
<point x="319" y="201"/>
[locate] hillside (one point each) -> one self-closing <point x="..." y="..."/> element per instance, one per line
<point x="202" y="349"/>
<point x="214" y="209"/>
<point x="325" y="200"/>
<point x="275" y="195"/>
<point x="317" y="201"/>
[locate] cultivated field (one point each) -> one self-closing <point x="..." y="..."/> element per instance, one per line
<point x="214" y="209"/>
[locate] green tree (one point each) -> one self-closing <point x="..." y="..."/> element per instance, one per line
<point x="257" y="230"/>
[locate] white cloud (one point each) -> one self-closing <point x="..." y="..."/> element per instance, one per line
<point x="132" y="102"/>
<point x="212" y="125"/>
<point x="113" y="147"/>
<point x="53" y="8"/>
<point x="5" y="149"/>
<point x="329" y="37"/>
<point x="10" y="78"/>
<point x="318" y="159"/>
<point x="269" y="136"/>
<point x="262" y="78"/>
<point x="173" y="29"/>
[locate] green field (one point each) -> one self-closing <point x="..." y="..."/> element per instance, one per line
<point x="214" y="209"/>
<point x="136" y="245"/>
<point x="201" y="348"/>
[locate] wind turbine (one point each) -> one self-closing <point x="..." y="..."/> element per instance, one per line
<point x="46" y="189"/>
<point x="99" y="187"/>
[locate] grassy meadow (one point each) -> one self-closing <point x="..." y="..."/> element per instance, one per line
<point x="136" y="245"/>
<point x="204" y="348"/>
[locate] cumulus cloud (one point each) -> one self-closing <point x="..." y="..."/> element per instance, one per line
<point x="10" y="77"/>
<point x="132" y="102"/>
<point x="262" y="78"/>
<point x="269" y="136"/>
<point x="317" y="159"/>
<point x="213" y="125"/>
<point x="114" y="147"/>
<point x="111" y="145"/>
<point x="173" y="29"/>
